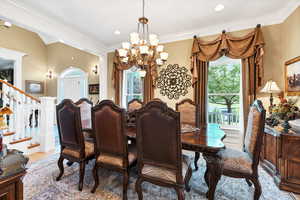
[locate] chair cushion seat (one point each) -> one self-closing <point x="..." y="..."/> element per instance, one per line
<point x="117" y="160"/>
<point x="166" y="174"/>
<point x="237" y="161"/>
<point x="89" y="150"/>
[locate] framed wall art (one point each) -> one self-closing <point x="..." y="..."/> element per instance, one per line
<point x="34" y="87"/>
<point x="93" y="88"/>
<point x="174" y="81"/>
<point x="292" y="77"/>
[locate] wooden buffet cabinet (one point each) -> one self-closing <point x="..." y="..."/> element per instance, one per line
<point x="12" y="172"/>
<point x="280" y="157"/>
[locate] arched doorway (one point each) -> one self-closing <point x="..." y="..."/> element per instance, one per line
<point x="72" y="84"/>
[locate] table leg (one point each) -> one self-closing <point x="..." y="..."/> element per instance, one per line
<point x="213" y="174"/>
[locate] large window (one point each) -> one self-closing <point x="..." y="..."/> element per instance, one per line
<point x="132" y="86"/>
<point x="224" y="92"/>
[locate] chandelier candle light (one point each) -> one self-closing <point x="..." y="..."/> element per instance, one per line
<point x="143" y="50"/>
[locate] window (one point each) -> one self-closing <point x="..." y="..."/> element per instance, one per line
<point x="224" y="92"/>
<point x="132" y="86"/>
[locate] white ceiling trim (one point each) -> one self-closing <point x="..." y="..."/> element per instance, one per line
<point x="47" y="39"/>
<point x="276" y="18"/>
<point x="18" y="14"/>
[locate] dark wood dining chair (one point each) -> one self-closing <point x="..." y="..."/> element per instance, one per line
<point x="132" y="107"/>
<point x="112" y="149"/>
<point x="160" y="159"/>
<point x="244" y="164"/>
<point x="189" y="118"/>
<point x="134" y="104"/>
<point x="73" y="146"/>
<point x="156" y="99"/>
<point x="86" y="117"/>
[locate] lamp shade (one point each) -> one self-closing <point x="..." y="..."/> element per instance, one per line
<point x="270" y="87"/>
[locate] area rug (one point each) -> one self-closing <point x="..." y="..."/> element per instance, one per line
<point x="40" y="184"/>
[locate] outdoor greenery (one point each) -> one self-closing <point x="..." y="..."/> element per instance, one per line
<point x="225" y="80"/>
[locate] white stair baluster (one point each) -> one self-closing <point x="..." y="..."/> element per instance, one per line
<point x="27" y="112"/>
<point x="33" y="123"/>
<point x="38" y="128"/>
<point x="5" y="90"/>
<point x="19" y="117"/>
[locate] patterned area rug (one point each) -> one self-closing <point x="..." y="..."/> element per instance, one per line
<point x="40" y="184"/>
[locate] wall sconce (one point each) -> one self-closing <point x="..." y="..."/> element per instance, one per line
<point x="5" y="24"/>
<point x="49" y="74"/>
<point x="95" y="69"/>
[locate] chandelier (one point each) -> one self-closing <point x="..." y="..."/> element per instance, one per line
<point x="143" y="50"/>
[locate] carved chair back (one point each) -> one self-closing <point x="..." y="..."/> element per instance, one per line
<point x="156" y="99"/>
<point x="254" y="133"/>
<point x="188" y="112"/>
<point x="134" y="104"/>
<point x="108" y="121"/>
<point x="85" y="112"/>
<point x="132" y="107"/>
<point x="158" y="137"/>
<point x="69" y="126"/>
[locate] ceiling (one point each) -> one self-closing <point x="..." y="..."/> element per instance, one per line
<point x="181" y="19"/>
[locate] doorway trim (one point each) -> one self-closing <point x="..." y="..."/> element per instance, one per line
<point x="17" y="57"/>
<point x="84" y="76"/>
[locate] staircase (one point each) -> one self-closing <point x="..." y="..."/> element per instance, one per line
<point x="31" y="122"/>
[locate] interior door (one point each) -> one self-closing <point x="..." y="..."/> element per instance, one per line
<point x="73" y="88"/>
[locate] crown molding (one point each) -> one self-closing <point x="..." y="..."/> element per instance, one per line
<point x="16" y="12"/>
<point x="270" y="19"/>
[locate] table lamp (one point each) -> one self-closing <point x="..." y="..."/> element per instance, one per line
<point x="270" y="87"/>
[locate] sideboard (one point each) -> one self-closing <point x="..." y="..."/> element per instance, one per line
<point x="13" y="169"/>
<point x="280" y="157"/>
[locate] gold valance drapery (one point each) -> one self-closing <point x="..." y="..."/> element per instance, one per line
<point x="248" y="48"/>
<point x="117" y="76"/>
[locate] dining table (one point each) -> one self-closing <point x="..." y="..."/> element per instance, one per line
<point x="207" y="140"/>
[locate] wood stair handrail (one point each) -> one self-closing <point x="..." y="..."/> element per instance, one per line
<point x="21" y="91"/>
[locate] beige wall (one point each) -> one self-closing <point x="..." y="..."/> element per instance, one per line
<point x="180" y="52"/>
<point x="40" y="57"/>
<point x="60" y="58"/>
<point x="35" y="62"/>
<point x="282" y="43"/>
<point x="290" y="39"/>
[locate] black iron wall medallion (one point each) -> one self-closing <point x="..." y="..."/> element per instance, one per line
<point x="174" y="81"/>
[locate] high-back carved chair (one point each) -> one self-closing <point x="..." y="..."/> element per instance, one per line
<point x="134" y="104"/>
<point x="73" y="146"/>
<point x="156" y="99"/>
<point x="160" y="159"/>
<point x="189" y="118"/>
<point x="86" y="117"/>
<point x="132" y="107"/>
<point x="244" y="164"/>
<point x="112" y="149"/>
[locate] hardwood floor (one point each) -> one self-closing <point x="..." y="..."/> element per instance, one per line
<point x="39" y="156"/>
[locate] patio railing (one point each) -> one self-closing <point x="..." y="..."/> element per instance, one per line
<point x="232" y="119"/>
<point x="221" y="116"/>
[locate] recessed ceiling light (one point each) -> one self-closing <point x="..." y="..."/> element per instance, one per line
<point x="219" y="7"/>
<point x="117" y="32"/>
